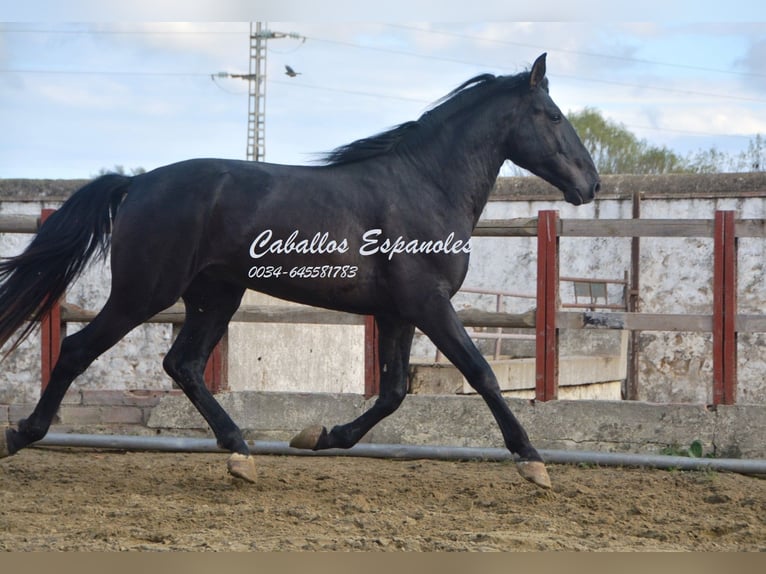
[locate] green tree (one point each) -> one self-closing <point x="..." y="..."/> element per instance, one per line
<point x="615" y="149"/>
<point x="709" y="161"/>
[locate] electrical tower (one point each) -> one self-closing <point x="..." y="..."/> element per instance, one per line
<point x="256" y="79"/>
<point x="256" y="103"/>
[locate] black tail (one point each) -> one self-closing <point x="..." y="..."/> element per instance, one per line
<point x="31" y="283"/>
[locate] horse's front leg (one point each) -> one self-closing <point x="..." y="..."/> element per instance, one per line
<point x="394" y="342"/>
<point x="443" y="327"/>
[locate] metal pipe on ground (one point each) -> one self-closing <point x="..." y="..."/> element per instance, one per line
<point x="400" y="451"/>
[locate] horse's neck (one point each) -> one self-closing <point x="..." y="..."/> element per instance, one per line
<point x="464" y="165"/>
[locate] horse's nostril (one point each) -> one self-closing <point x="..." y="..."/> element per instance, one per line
<point x="596" y="187"/>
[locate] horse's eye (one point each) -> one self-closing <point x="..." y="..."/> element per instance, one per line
<point x="556" y="118"/>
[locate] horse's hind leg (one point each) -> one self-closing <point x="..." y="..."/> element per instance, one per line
<point x="77" y="352"/>
<point x="394" y="342"/>
<point x="210" y="305"/>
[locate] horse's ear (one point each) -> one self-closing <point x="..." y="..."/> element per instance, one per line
<point x="537" y="75"/>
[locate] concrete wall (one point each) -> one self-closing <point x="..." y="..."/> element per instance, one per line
<point x="595" y="376"/>
<point x="608" y="426"/>
<point x="295" y="358"/>
<point x="676" y="277"/>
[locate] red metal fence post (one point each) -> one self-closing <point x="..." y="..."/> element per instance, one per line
<point x="730" y="312"/>
<point x="50" y="343"/>
<point x="217" y="368"/>
<point x="546" y="343"/>
<point x="50" y="331"/>
<point x="724" y="309"/>
<point x="371" y="366"/>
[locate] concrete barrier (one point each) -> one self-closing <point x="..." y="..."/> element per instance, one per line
<point x="597" y="372"/>
<point x="294" y="357"/>
<point x="607" y="426"/>
<point x="580" y="377"/>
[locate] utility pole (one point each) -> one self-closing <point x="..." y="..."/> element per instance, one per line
<point x="256" y="99"/>
<point x="256" y="80"/>
<point x="256" y="107"/>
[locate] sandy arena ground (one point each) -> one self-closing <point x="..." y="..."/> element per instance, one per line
<point x="77" y="499"/>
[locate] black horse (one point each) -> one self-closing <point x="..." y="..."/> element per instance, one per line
<point x="382" y="229"/>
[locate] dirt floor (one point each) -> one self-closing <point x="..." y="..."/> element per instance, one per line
<point x="58" y="499"/>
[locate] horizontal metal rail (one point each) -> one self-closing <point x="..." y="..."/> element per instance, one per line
<point x="401" y="451"/>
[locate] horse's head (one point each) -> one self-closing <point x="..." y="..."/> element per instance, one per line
<point x="545" y="143"/>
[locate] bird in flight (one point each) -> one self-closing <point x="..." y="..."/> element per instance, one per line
<point x="290" y="72"/>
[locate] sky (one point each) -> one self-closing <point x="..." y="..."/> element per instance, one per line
<point x="142" y="90"/>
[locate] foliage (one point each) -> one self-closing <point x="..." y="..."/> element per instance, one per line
<point x="713" y="161"/>
<point x="695" y="450"/>
<point x="121" y="170"/>
<point x="617" y="150"/>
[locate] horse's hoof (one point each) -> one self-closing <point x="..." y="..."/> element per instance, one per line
<point x="308" y="438"/>
<point x="242" y="466"/>
<point x="534" y="471"/>
<point x="4" y="451"/>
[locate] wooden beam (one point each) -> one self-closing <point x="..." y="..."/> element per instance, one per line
<point x="526" y="227"/>
<point x="637" y="228"/>
<point x="310" y="315"/>
<point x="10" y="223"/>
<point x="519" y="227"/>
<point x="751" y="324"/>
<point x="246" y="314"/>
<point x="470" y="318"/>
<point x="478" y="318"/>
<point x="635" y="321"/>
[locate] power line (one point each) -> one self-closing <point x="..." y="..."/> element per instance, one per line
<point x="352" y="92"/>
<point x="571" y="77"/>
<point x="97" y="72"/>
<point x="244" y="76"/>
<point x="663" y="89"/>
<point x="466" y="62"/>
<point x="579" y="52"/>
<point x="687" y="132"/>
<point x="390" y="51"/>
<point x="101" y="31"/>
<point x="394" y="51"/>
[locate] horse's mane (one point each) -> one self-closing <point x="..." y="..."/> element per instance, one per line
<point x="465" y="96"/>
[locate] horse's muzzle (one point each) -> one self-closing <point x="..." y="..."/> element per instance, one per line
<point x="580" y="197"/>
